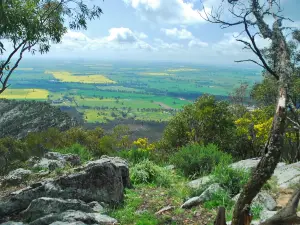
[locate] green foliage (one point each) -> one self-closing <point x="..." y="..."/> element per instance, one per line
<point x="32" y="26"/>
<point x="128" y="215"/>
<point x="256" y="210"/>
<point x="148" y="172"/>
<point x="135" y="155"/>
<point x="77" y="149"/>
<point x="220" y="198"/>
<point x="206" y="121"/>
<point x="13" y="153"/>
<point x="230" y="179"/>
<point x="195" y="159"/>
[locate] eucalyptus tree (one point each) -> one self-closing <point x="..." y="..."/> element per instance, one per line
<point x="264" y="19"/>
<point x="33" y="25"/>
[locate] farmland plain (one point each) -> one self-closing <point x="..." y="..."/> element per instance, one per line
<point x="102" y="92"/>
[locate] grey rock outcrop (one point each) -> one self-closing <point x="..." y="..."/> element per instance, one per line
<point x="16" y="177"/>
<point x="54" y="160"/>
<point x="44" y="206"/>
<point x="263" y="199"/>
<point x="103" y="180"/>
<point x="19" y="118"/>
<point x="205" y="196"/>
<point x="72" y="216"/>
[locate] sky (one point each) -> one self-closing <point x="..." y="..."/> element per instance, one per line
<point x="163" y="30"/>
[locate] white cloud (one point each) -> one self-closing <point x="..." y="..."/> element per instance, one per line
<point x="122" y="35"/>
<point x="197" y="43"/>
<point x="160" y="44"/>
<point x="167" y="11"/>
<point x="118" y="38"/>
<point x="176" y="33"/>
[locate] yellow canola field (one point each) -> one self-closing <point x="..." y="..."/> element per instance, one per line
<point x="88" y="79"/>
<point x="25" y="94"/>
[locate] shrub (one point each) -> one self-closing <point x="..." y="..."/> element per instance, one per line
<point x="197" y="159"/>
<point x="148" y="172"/>
<point x="13" y="154"/>
<point x="230" y="179"/>
<point x="220" y="198"/>
<point x="135" y="155"/>
<point x="77" y="149"/>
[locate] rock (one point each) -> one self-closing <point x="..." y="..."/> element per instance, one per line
<point x="12" y="223"/>
<point x="49" y="164"/>
<point x="43" y="206"/>
<point x="68" y="223"/>
<point x="265" y="214"/>
<point x="103" y="180"/>
<point x="72" y="159"/>
<point x="16" y="177"/>
<point x="205" y="196"/>
<point x="96" y="206"/>
<point x="283" y="197"/>
<point x="288" y="175"/>
<point x="248" y="164"/>
<point x="263" y="199"/>
<point x="198" y="183"/>
<point x="72" y="216"/>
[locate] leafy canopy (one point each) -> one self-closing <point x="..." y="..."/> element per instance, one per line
<point x="33" y="25"/>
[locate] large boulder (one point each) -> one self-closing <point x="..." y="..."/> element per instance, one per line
<point x="205" y="196"/>
<point x="288" y="175"/>
<point x="103" y="180"/>
<point x="263" y="199"/>
<point x="16" y="177"/>
<point x="44" y="206"/>
<point x="249" y="164"/>
<point x="72" y="216"/>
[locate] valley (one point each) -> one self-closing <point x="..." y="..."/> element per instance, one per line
<point x="103" y="92"/>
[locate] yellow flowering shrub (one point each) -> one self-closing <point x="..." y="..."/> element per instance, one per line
<point x="143" y="144"/>
<point x="256" y="123"/>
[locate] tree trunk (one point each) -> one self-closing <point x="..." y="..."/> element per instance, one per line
<point x="274" y="146"/>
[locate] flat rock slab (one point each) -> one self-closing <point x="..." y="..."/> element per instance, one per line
<point x="72" y="216"/>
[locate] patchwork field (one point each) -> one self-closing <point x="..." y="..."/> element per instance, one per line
<point x="103" y="92"/>
<point x="23" y="94"/>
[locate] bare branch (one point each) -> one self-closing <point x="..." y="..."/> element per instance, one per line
<point x="249" y="60"/>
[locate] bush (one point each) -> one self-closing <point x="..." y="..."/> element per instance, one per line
<point x="230" y="179"/>
<point x="135" y="155"/>
<point x="220" y="198"/>
<point x="77" y="149"/>
<point x="13" y="154"/>
<point x="148" y="172"/>
<point x="197" y="159"/>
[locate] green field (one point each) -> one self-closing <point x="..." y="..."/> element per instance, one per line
<point x="106" y="91"/>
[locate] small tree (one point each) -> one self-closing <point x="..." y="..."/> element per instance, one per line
<point x="251" y="15"/>
<point x="32" y="25"/>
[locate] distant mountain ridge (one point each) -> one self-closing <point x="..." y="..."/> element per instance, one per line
<point x="18" y="118"/>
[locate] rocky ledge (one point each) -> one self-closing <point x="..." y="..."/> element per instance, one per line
<point x="77" y="198"/>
